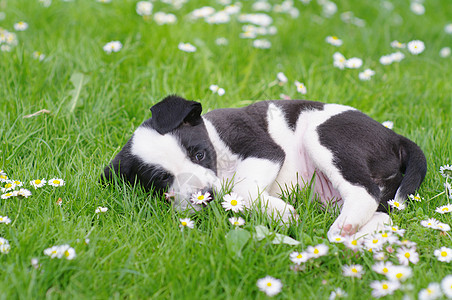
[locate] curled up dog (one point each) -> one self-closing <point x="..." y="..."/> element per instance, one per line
<point x="355" y="161"/>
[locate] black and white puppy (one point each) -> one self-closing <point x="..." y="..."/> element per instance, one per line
<point x="357" y="163"/>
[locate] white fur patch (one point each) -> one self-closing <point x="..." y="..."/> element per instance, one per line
<point x="165" y="150"/>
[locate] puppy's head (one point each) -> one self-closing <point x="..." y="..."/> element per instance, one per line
<point x="171" y="152"/>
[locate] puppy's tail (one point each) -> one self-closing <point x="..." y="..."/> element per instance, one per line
<point x="413" y="165"/>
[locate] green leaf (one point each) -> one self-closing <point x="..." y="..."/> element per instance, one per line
<point x="284" y="239"/>
<point x="78" y="80"/>
<point x="236" y="240"/>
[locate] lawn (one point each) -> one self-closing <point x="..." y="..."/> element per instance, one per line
<point x="54" y="57"/>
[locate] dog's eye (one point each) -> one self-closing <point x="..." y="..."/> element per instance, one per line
<point x="199" y="156"/>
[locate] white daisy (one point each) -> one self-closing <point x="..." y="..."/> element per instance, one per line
<point x="383" y="267"/>
<point x="233" y="202"/>
<point x="417" y="8"/>
<point x="39" y="55"/>
<point x="200" y="198"/>
<point x="8" y="195"/>
<point x="448" y="28"/>
<point x="399" y="273"/>
<point x="237" y="221"/>
<point x="333" y="40"/>
<point x="397" y="44"/>
<point x="281" y="78"/>
<point x="388" y="124"/>
<point x="101" y="209"/>
<point x="433" y="291"/>
<point x="395" y="229"/>
<point x="113" y="46"/>
<point x="56" y="182"/>
<point x="202" y="12"/>
<point x="301" y="88"/>
<point x="269" y="285"/>
<point x="444" y="52"/>
<point x="415" y="197"/>
<point x="3" y="176"/>
<point x="186" y="222"/>
<point x="162" y="18"/>
<point x="397" y="56"/>
<point x="261" y="6"/>
<point x="387" y="237"/>
<point x="17" y="183"/>
<point x="442" y="226"/>
<point x="416" y="47"/>
<point x="339" y="60"/>
<point x="5" y="248"/>
<point x="353" y="243"/>
<point x="186" y="47"/>
<point x="444" y="209"/>
<point x="37" y="183"/>
<point x="299" y="257"/>
<point x="8" y="186"/>
<point x="22" y="192"/>
<point x="446" y="171"/>
<point x="366" y="74"/>
<point x="443" y="254"/>
<point x="52" y="252"/>
<point x="446" y="285"/>
<point x="221" y="41"/>
<point x="386" y="60"/>
<point x="384" y="288"/>
<point x="406" y="255"/>
<point x="66" y="251"/>
<point x="337" y="294"/>
<point x="216" y="89"/>
<point x="20" y="26"/>
<point x="374" y="242"/>
<point x="353" y="271"/>
<point x="144" y="8"/>
<point x="354" y="63"/>
<point x="380" y="256"/>
<point x="337" y="239"/>
<point x="430" y="223"/>
<point x="256" y="19"/>
<point x="318" y="250"/>
<point x="262" y="44"/>
<point x="397" y="204"/>
<point x="5" y="220"/>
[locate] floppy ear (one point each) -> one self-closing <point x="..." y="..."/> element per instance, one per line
<point x="172" y="111"/>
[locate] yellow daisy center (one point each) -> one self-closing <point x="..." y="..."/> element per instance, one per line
<point x="407" y="255"/>
<point x="316" y="251"/>
<point x="56" y="181"/>
<point x="354" y="270"/>
<point x="66" y="253"/>
<point x="37" y="181"/>
<point x="385" y="286"/>
<point x="184" y="223"/>
<point x="8" y="185"/>
<point x="417" y="197"/>
<point x="299" y="256"/>
<point x="338" y="239"/>
<point x="445" y="209"/>
<point x="385" y="234"/>
<point x="233" y="202"/>
<point x="269" y="284"/>
<point x="397" y="204"/>
<point x="375" y="241"/>
<point x="399" y="275"/>
<point x="429" y="291"/>
<point x="354" y="242"/>
<point x="443" y="253"/>
<point x="385" y="270"/>
<point x="201" y="197"/>
<point x="236" y="223"/>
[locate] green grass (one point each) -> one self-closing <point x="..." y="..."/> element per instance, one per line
<point x="136" y="249"/>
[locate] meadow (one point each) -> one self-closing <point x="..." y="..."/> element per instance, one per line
<point x="69" y="100"/>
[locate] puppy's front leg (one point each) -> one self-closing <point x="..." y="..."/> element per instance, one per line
<point x="252" y="179"/>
